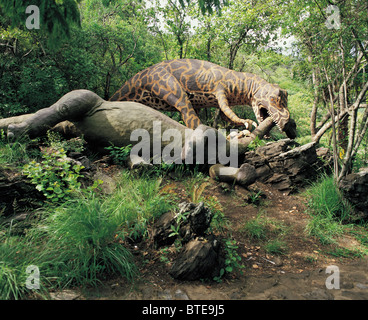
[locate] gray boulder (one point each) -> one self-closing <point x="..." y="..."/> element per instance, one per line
<point x="354" y="188"/>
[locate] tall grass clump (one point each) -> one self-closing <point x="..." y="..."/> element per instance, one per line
<point x="83" y="240"/>
<point x="16" y="254"/>
<point x="328" y="209"/>
<point x="16" y="152"/>
<point x="137" y="201"/>
<point x="88" y="234"/>
<point x="89" y="240"/>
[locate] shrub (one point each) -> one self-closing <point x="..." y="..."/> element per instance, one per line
<point x="55" y="176"/>
<point x="119" y="155"/>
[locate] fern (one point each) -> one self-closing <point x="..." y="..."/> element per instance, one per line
<point x="197" y="192"/>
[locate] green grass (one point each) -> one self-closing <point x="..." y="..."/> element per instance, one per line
<point x="82" y="241"/>
<point x="18" y="152"/>
<point x="268" y="232"/>
<point x="263" y="228"/>
<point x="328" y="210"/>
<point x="276" y="246"/>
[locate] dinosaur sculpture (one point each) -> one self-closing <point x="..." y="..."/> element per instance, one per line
<point x="82" y="112"/>
<point x="188" y="84"/>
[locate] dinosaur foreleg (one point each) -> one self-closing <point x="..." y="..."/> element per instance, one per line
<point x="174" y="95"/>
<point x="71" y="106"/>
<point x="224" y="106"/>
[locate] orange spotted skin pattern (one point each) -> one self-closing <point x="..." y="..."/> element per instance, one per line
<point x="188" y="84"/>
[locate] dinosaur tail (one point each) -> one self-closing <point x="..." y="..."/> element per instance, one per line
<point x="121" y="93"/>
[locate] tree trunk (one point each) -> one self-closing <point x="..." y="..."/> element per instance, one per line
<point x="315" y="101"/>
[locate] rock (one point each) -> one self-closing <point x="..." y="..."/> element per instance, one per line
<point x="17" y="194"/>
<point x="354" y="188"/>
<point x="165" y="295"/>
<point x="108" y="186"/>
<point x="285" y="164"/>
<point x="81" y="159"/>
<point x="162" y="229"/>
<point x="199" y="260"/>
<point x="193" y="220"/>
<point x="65" y="295"/>
<point x="246" y="174"/>
<point x="278" y="262"/>
<point x="137" y="162"/>
<point x="325" y="160"/>
<point x="198" y="221"/>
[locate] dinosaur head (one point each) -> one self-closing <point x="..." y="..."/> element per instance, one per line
<point x="272" y="102"/>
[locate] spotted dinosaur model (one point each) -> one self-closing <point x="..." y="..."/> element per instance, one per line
<point x="187" y="84"/>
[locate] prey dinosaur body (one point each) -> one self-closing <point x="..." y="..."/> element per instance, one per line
<point x="187" y="84"/>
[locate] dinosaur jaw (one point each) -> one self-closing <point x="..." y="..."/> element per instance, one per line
<point x="289" y="126"/>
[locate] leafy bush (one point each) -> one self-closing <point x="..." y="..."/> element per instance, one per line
<point x="56" y="176"/>
<point x="119" y="155"/>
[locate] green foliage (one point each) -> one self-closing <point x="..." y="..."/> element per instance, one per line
<point x="137" y="201"/>
<point x="232" y="259"/>
<point x="256" y="143"/>
<point x="112" y="45"/>
<point x="262" y="227"/>
<point x="119" y="155"/>
<point x="179" y="218"/>
<point x="56" y="141"/>
<point x="276" y="246"/>
<point x="328" y="210"/>
<point x="268" y="231"/>
<point x="325" y="199"/>
<point x="56" y="16"/>
<point x="56" y="176"/>
<point x="78" y="243"/>
<point x="207" y="6"/>
<point x="89" y="234"/>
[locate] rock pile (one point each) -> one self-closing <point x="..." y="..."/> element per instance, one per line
<point x="200" y="256"/>
<point x="287" y="165"/>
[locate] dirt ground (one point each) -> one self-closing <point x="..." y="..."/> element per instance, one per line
<point x="299" y="273"/>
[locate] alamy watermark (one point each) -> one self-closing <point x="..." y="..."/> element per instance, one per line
<point x="333" y="281"/>
<point x="333" y="19"/>
<point x="200" y="146"/>
<point x="33" y="20"/>
<point x="33" y="280"/>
